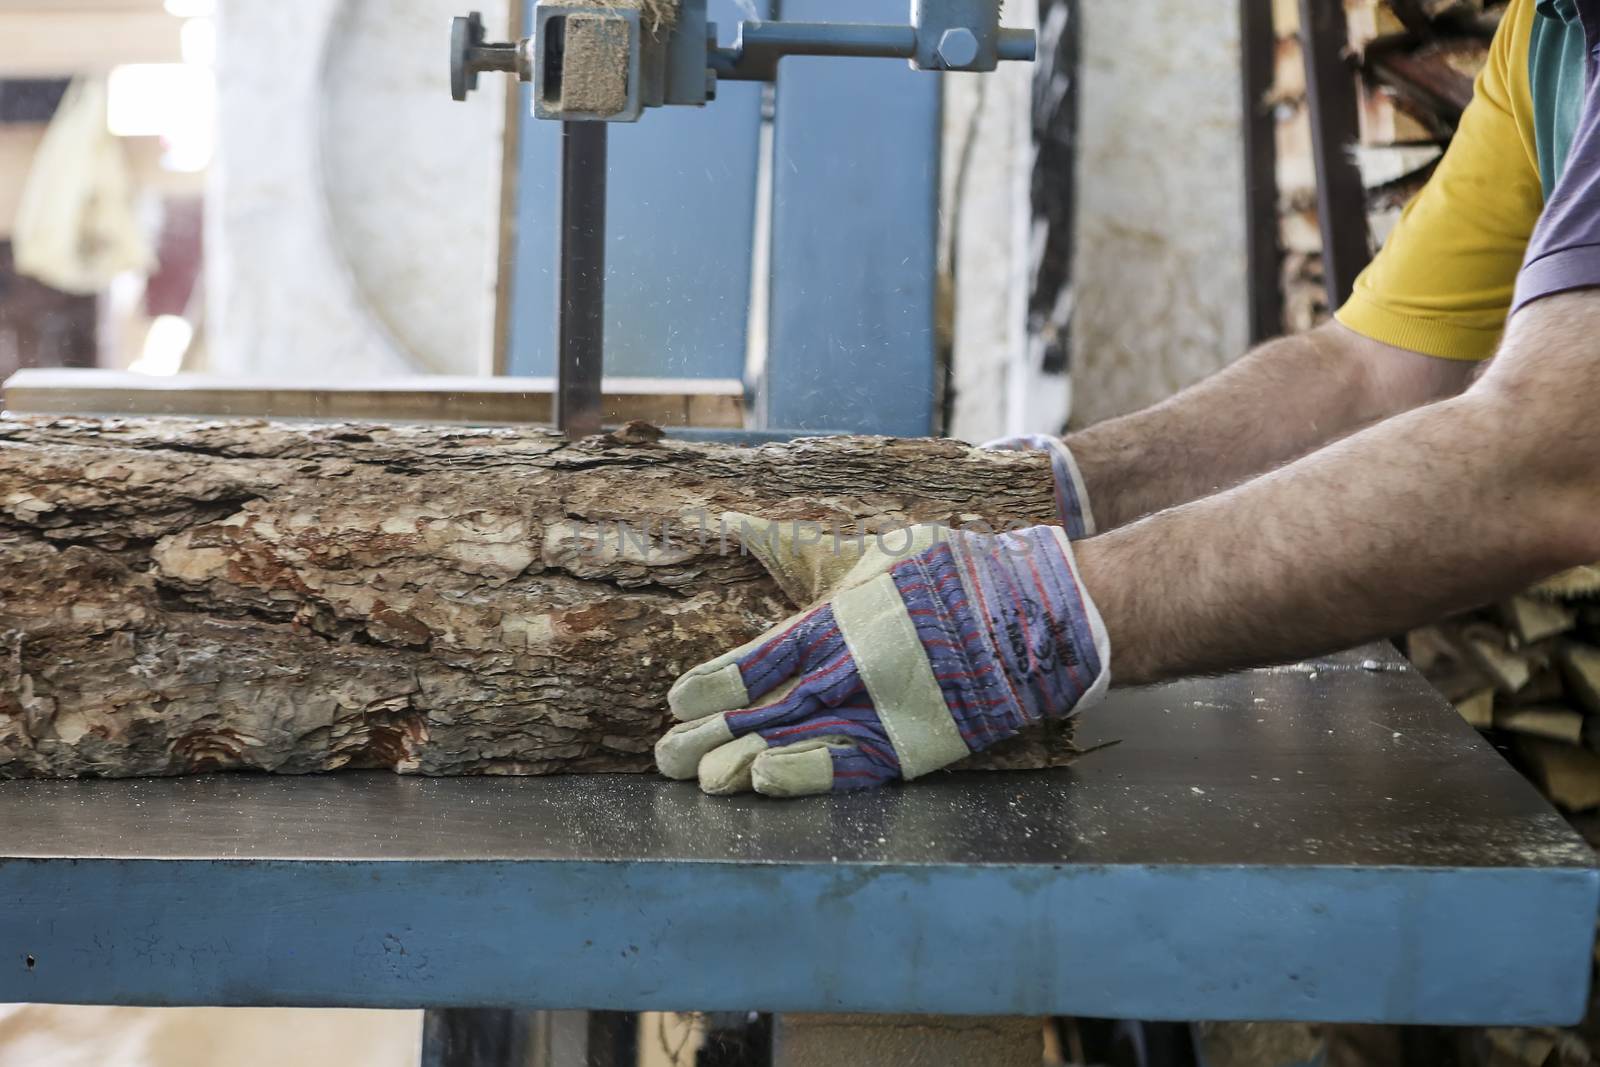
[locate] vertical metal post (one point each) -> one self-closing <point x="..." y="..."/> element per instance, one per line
<point x="613" y="1039"/>
<point x="1258" y="45"/>
<point x="1331" y="97"/>
<point x="888" y="1040"/>
<point x="510" y="192"/>
<point x="490" y="1037"/>
<point x="862" y="284"/>
<point x="581" y="286"/>
<point x="471" y="1037"/>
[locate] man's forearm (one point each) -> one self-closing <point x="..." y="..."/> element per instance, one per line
<point x="1281" y="401"/>
<point x="1426" y="513"/>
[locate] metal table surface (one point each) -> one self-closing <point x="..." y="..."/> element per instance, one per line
<point x="1327" y="841"/>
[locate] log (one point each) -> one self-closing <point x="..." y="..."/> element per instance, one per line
<point x="1437" y="79"/>
<point x="1580" y="663"/>
<point x="1533" y="619"/>
<point x="1552" y="724"/>
<point x="1369" y="21"/>
<point x="1478" y="708"/>
<point x="1486" y="644"/>
<point x="184" y="596"/>
<point x="1386" y="120"/>
<point x="1546" y="687"/>
<point x="1570" y="776"/>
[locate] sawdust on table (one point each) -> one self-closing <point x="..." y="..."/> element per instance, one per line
<point x="658" y="16"/>
<point x="594" y="78"/>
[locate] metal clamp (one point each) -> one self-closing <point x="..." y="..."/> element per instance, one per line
<point x="961" y="35"/>
<point x="471" y="55"/>
<point x="595" y="61"/>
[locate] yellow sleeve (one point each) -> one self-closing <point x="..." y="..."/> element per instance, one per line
<point x="1443" y="283"/>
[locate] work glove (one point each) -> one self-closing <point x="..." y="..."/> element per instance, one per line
<point x="917" y="659"/>
<point x="1072" y="500"/>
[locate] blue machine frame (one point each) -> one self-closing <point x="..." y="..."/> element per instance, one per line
<point x="680" y="228"/>
<point x="855" y="225"/>
<point x="853" y="242"/>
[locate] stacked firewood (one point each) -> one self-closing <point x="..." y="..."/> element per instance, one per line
<point x="1414" y="62"/>
<point x="1528" y="671"/>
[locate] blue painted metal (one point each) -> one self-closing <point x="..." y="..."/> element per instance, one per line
<point x="944" y="35"/>
<point x="853" y="274"/>
<point x="855" y="224"/>
<point x="1327" y="853"/>
<point x="1176" y="943"/>
<point x="681" y="220"/>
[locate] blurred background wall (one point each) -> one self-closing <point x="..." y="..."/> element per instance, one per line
<point x="313" y="205"/>
<point x="43" y="45"/>
<point x="1160" y="300"/>
<point x="385" y="261"/>
<point x="1126" y="281"/>
<point x="302" y="196"/>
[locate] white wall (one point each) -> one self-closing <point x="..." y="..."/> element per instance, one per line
<point x="1160" y="263"/>
<point x="987" y="168"/>
<point x="354" y="205"/>
<point x="987" y="215"/>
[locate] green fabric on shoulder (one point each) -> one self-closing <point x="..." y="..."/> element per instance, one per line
<point x="1557" y="69"/>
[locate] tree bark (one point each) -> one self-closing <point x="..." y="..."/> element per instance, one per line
<point x="183" y="596"/>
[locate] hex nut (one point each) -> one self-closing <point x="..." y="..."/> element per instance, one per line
<point x="958" y="48"/>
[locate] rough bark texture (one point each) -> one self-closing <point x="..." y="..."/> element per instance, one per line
<point x="184" y="596"/>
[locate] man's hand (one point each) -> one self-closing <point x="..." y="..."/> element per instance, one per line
<point x="916" y="660"/>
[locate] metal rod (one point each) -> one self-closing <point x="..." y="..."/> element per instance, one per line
<point x="581" y="292"/>
<point x="760" y="45"/>
<point x="473" y="1037"/>
<point x="1331" y="96"/>
<point x="516" y="106"/>
<point x="1262" y="246"/>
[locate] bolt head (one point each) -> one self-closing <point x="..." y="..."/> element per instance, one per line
<point x="958" y="48"/>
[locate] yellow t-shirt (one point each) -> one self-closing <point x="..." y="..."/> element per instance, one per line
<point x="1444" y="281"/>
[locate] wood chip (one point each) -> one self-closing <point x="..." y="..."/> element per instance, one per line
<point x="1535" y="619"/>
<point x="1571" y="776"/>
<point x="1524" y="1046"/>
<point x="1555" y="724"/>
<point x="1380" y="165"/>
<point x="1478" y="709"/>
<point x="1510" y="670"/>
<point x="1547" y="688"/>
<point x="1368" y="21"/>
<point x="1386" y="121"/>
<point x="1580" y="665"/>
<point x="1427" y="645"/>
